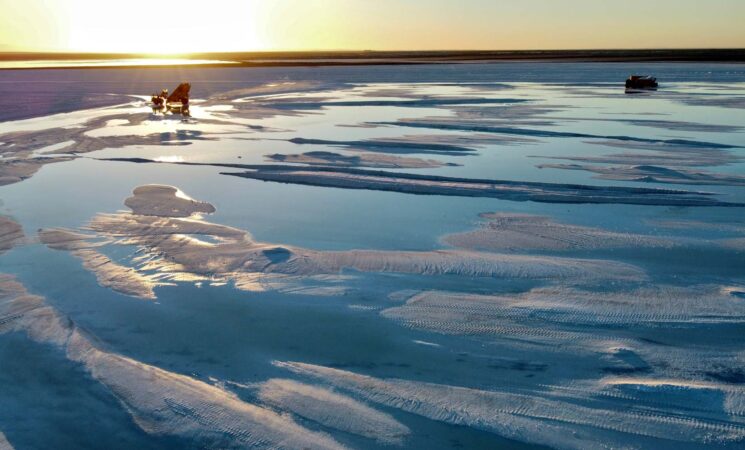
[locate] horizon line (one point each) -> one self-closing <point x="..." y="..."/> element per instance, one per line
<point x="463" y="50"/>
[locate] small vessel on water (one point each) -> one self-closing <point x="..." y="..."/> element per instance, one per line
<point x="641" y="82"/>
<point x="177" y="102"/>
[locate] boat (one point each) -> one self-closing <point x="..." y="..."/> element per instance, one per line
<point x="641" y="82"/>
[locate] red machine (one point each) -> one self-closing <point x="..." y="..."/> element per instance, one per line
<point x="177" y="102"/>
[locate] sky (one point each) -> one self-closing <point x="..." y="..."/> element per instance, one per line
<point x="171" y="26"/>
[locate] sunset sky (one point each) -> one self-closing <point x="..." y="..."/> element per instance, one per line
<point x="171" y="26"/>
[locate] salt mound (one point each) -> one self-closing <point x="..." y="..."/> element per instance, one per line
<point x="332" y="410"/>
<point x="530" y="417"/>
<point x="520" y="232"/>
<point x="165" y="201"/>
<point x="10" y="233"/>
<point x="160" y="402"/>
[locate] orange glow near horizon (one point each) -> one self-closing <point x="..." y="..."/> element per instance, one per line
<point x="168" y="27"/>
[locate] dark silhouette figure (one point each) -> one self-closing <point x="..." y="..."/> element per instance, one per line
<point x="641" y="82"/>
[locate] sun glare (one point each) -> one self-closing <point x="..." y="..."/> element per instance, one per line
<point x="164" y="27"/>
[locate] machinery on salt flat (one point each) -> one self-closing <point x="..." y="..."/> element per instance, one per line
<point x="637" y="82"/>
<point x="177" y="102"/>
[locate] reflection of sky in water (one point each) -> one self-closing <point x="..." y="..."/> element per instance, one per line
<point x="231" y="335"/>
<point x="366" y="219"/>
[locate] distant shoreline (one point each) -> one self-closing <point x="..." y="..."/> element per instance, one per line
<point x="363" y="58"/>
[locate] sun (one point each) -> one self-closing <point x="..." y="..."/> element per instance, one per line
<point x="164" y="26"/>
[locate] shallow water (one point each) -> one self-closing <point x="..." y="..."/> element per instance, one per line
<point x="535" y="113"/>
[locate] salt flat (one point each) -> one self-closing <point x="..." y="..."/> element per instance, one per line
<point x="513" y="255"/>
